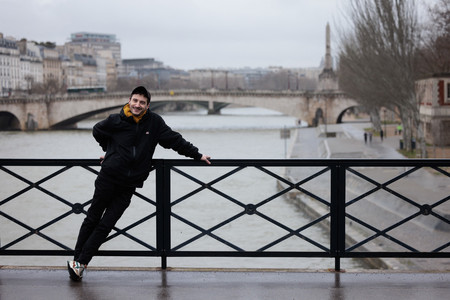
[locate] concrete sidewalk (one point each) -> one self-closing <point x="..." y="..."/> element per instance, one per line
<point x="349" y="143"/>
<point x="17" y="284"/>
<point x="423" y="187"/>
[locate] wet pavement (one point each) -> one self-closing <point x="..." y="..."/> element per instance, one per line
<point x="51" y="284"/>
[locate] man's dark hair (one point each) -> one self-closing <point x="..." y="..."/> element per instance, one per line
<point x="140" y="90"/>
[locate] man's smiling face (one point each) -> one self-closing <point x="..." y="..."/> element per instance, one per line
<point x="138" y="104"/>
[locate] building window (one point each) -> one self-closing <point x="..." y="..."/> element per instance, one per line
<point x="447" y="99"/>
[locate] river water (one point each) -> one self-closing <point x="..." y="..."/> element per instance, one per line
<point x="238" y="133"/>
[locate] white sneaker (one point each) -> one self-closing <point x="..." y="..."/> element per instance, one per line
<point x="76" y="270"/>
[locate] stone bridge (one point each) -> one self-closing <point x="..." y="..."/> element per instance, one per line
<point x="30" y="113"/>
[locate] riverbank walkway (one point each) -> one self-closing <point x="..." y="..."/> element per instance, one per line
<point x="154" y="283"/>
<point x="349" y="143"/>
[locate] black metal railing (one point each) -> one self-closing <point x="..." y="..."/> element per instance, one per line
<point x="366" y="208"/>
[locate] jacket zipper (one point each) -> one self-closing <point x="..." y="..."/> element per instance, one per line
<point x="134" y="148"/>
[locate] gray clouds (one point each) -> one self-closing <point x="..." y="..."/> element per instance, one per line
<point x="185" y="34"/>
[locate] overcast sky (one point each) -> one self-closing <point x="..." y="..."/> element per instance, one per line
<point x="186" y="34"/>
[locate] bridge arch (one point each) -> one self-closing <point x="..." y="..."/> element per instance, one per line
<point x="212" y="108"/>
<point x="9" y="121"/>
<point x="342" y="114"/>
<point x="70" y="122"/>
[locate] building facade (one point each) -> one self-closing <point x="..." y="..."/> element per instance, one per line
<point x="434" y="96"/>
<point x="89" y="59"/>
<point x="97" y="42"/>
<point x="104" y="48"/>
<point x="51" y="65"/>
<point x="9" y="65"/>
<point x="32" y="70"/>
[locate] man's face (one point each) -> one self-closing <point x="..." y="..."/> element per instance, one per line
<point x="138" y="104"/>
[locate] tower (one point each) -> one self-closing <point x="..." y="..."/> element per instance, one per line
<point x="328" y="79"/>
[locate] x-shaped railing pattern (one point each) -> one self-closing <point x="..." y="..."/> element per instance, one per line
<point x="249" y="209"/>
<point x="422" y="209"/>
<point x="38" y="185"/>
<point x="73" y="208"/>
<point x="336" y="208"/>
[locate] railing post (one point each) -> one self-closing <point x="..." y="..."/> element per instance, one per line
<point x="162" y="210"/>
<point x="337" y="211"/>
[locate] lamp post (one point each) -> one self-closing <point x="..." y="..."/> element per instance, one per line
<point x="289" y="80"/>
<point x="226" y="80"/>
<point x="325" y="120"/>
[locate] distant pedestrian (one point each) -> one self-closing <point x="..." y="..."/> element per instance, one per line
<point x="370" y="137"/>
<point x="381" y="134"/>
<point x="365" y="137"/>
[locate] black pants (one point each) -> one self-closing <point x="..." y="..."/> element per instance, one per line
<point x="108" y="204"/>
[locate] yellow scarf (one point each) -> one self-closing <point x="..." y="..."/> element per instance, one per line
<point x="127" y="111"/>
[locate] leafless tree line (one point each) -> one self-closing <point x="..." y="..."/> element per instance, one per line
<point x="280" y="80"/>
<point x="284" y="80"/>
<point x="384" y="50"/>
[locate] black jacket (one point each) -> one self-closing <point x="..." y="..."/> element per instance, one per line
<point x="129" y="146"/>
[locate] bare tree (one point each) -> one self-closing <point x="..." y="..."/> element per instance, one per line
<point x="30" y="82"/>
<point x="434" y="54"/>
<point x="273" y="81"/>
<point x="306" y="83"/>
<point x="378" y="59"/>
<point x="50" y="87"/>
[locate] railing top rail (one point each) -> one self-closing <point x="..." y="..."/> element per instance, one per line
<point x="238" y="162"/>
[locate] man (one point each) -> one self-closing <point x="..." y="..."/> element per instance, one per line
<point x="129" y="140"/>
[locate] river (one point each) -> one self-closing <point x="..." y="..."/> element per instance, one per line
<point x="237" y="133"/>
